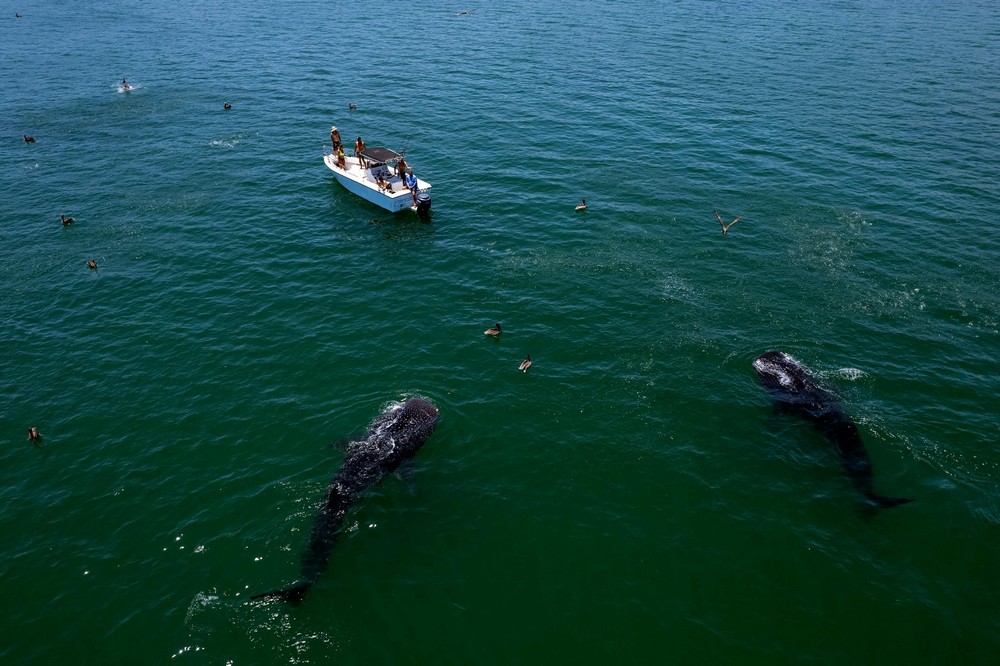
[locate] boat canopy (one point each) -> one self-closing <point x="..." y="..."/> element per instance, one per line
<point x="376" y="156"/>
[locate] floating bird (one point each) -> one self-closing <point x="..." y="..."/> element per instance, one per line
<point x="34" y="435"/>
<point x="16" y="15"/>
<point x="66" y="220"/>
<point x="496" y="330"/>
<point x="725" y="227"/>
<point x="352" y="106"/>
<point x="29" y="139"/>
<point x="91" y="264"/>
<point x="227" y="105"/>
<point x="466" y="12"/>
<point x="525" y="364"/>
<point x="582" y="205"/>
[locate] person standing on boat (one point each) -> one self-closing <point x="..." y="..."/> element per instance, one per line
<point x="401" y="169"/>
<point x="335" y="138"/>
<point x="411" y="182"/>
<point x="359" y="146"/>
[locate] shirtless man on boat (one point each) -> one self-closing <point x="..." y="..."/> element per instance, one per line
<point x="359" y="146"/>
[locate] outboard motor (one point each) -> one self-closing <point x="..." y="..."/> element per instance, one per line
<point x="423" y="204"/>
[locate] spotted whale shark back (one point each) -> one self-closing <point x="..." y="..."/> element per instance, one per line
<point x="395" y="435"/>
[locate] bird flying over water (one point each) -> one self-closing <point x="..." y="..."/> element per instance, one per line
<point x="725" y="227"/>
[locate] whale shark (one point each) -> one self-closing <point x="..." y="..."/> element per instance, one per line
<point x="795" y="391"/>
<point x="395" y="436"/>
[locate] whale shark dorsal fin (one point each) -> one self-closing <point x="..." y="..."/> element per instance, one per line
<point x="883" y="502"/>
<point x="292" y="595"/>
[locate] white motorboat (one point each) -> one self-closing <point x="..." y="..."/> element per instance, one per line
<point x="373" y="176"/>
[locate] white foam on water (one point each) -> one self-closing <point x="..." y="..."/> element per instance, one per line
<point x="201" y="602"/>
<point x="852" y="374"/>
<point x="230" y="141"/>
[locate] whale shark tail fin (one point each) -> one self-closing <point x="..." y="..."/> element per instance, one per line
<point x="884" y="502"/>
<point x="293" y="595"/>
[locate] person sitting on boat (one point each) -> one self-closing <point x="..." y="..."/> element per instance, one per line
<point x="359" y="146"/>
<point x="384" y="184"/>
<point x="335" y="138"/>
<point x="341" y="157"/>
<point x="411" y="182"/>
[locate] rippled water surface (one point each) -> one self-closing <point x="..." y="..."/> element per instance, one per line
<point x="633" y="496"/>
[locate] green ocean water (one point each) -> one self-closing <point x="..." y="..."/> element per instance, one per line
<point x="633" y="497"/>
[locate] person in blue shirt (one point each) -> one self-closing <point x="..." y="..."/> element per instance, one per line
<point x="411" y="182"/>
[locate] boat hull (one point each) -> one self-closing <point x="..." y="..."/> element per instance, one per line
<point x="362" y="183"/>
